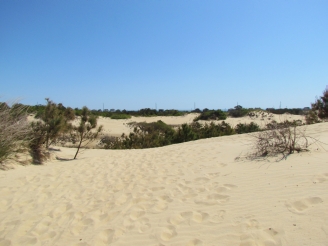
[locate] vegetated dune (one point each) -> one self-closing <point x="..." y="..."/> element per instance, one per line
<point x="196" y="193"/>
<point x="117" y="127"/>
<point x="114" y="127"/>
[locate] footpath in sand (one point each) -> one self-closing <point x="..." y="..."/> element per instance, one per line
<point x="196" y="193"/>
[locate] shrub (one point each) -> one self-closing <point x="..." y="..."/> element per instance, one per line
<point x="312" y="117"/>
<point x="321" y="105"/>
<point x="120" y="116"/>
<point x="84" y="132"/>
<point x="238" y="111"/>
<point x="14" y="130"/>
<point x="280" y="139"/>
<point x="37" y="143"/>
<point x="55" y="121"/>
<point x="247" y="128"/>
<point x="211" y="115"/>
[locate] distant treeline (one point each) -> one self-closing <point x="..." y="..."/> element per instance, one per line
<point x="296" y="111"/>
<point x="114" y="114"/>
<point x="205" y="114"/>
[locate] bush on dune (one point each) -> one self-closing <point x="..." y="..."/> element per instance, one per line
<point x="86" y="131"/>
<point x="280" y="139"/>
<point x="247" y="128"/>
<point x="157" y="134"/>
<point x="212" y="115"/>
<point x="319" y="109"/>
<point x="120" y="116"/>
<point x="14" y="130"/>
<point x="54" y="123"/>
<point x="238" y="111"/>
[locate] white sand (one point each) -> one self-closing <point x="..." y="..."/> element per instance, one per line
<point x="195" y="193"/>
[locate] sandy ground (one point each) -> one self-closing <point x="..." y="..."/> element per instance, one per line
<point x="197" y="193"/>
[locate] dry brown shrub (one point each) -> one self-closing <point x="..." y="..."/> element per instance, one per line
<point x="281" y="140"/>
<point x="14" y="130"/>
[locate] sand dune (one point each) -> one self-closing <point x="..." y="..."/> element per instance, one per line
<point x="117" y="127"/>
<point x="196" y="193"/>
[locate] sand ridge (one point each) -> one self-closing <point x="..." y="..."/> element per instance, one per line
<point x="196" y="193"/>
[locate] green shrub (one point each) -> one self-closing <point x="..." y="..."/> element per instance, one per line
<point x="212" y="115"/>
<point x="247" y="128"/>
<point x="157" y="134"/>
<point x="120" y="116"/>
<point x="321" y="105"/>
<point x="238" y="111"/>
<point x="86" y="131"/>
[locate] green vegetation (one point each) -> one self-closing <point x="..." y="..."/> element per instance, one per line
<point x="247" y="128"/>
<point x="238" y="111"/>
<point x="84" y="132"/>
<point x="211" y="115"/>
<point x="294" y="111"/>
<point x="320" y="106"/>
<point x="120" y="116"/>
<point x="54" y="123"/>
<point x="157" y="134"/>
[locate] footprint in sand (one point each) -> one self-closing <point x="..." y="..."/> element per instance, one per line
<point x="320" y="178"/>
<point x="4" y="242"/>
<point x="105" y="237"/>
<point x="253" y="234"/>
<point x="42" y="227"/>
<point x="143" y="225"/>
<point x="299" y="206"/>
<point x="230" y="186"/>
<point x="168" y="233"/>
<point x="28" y="240"/>
<point x="199" y="217"/>
<point x="218" y="217"/>
<point x="180" y="218"/>
<point x="159" y="207"/>
<point x="201" y="181"/>
<point x="195" y="242"/>
<point x="136" y="214"/>
<point x="122" y="199"/>
<point x="212" y="199"/>
<point x="188" y="217"/>
<point x="212" y="175"/>
<point x="59" y="210"/>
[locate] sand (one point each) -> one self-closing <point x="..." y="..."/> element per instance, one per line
<point x="196" y="193"/>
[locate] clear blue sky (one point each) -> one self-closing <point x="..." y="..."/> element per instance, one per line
<point x="132" y="54"/>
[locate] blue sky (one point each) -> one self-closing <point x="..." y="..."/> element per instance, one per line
<point x="133" y="54"/>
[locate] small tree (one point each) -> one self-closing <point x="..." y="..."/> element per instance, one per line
<point x="321" y="105"/>
<point x="55" y="121"/>
<point x="84" y="132"/>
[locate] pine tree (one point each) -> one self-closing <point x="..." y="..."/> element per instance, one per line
<point x="86" y="131"/>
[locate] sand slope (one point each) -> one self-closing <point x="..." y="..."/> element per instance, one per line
<point x="195" y="193"/>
